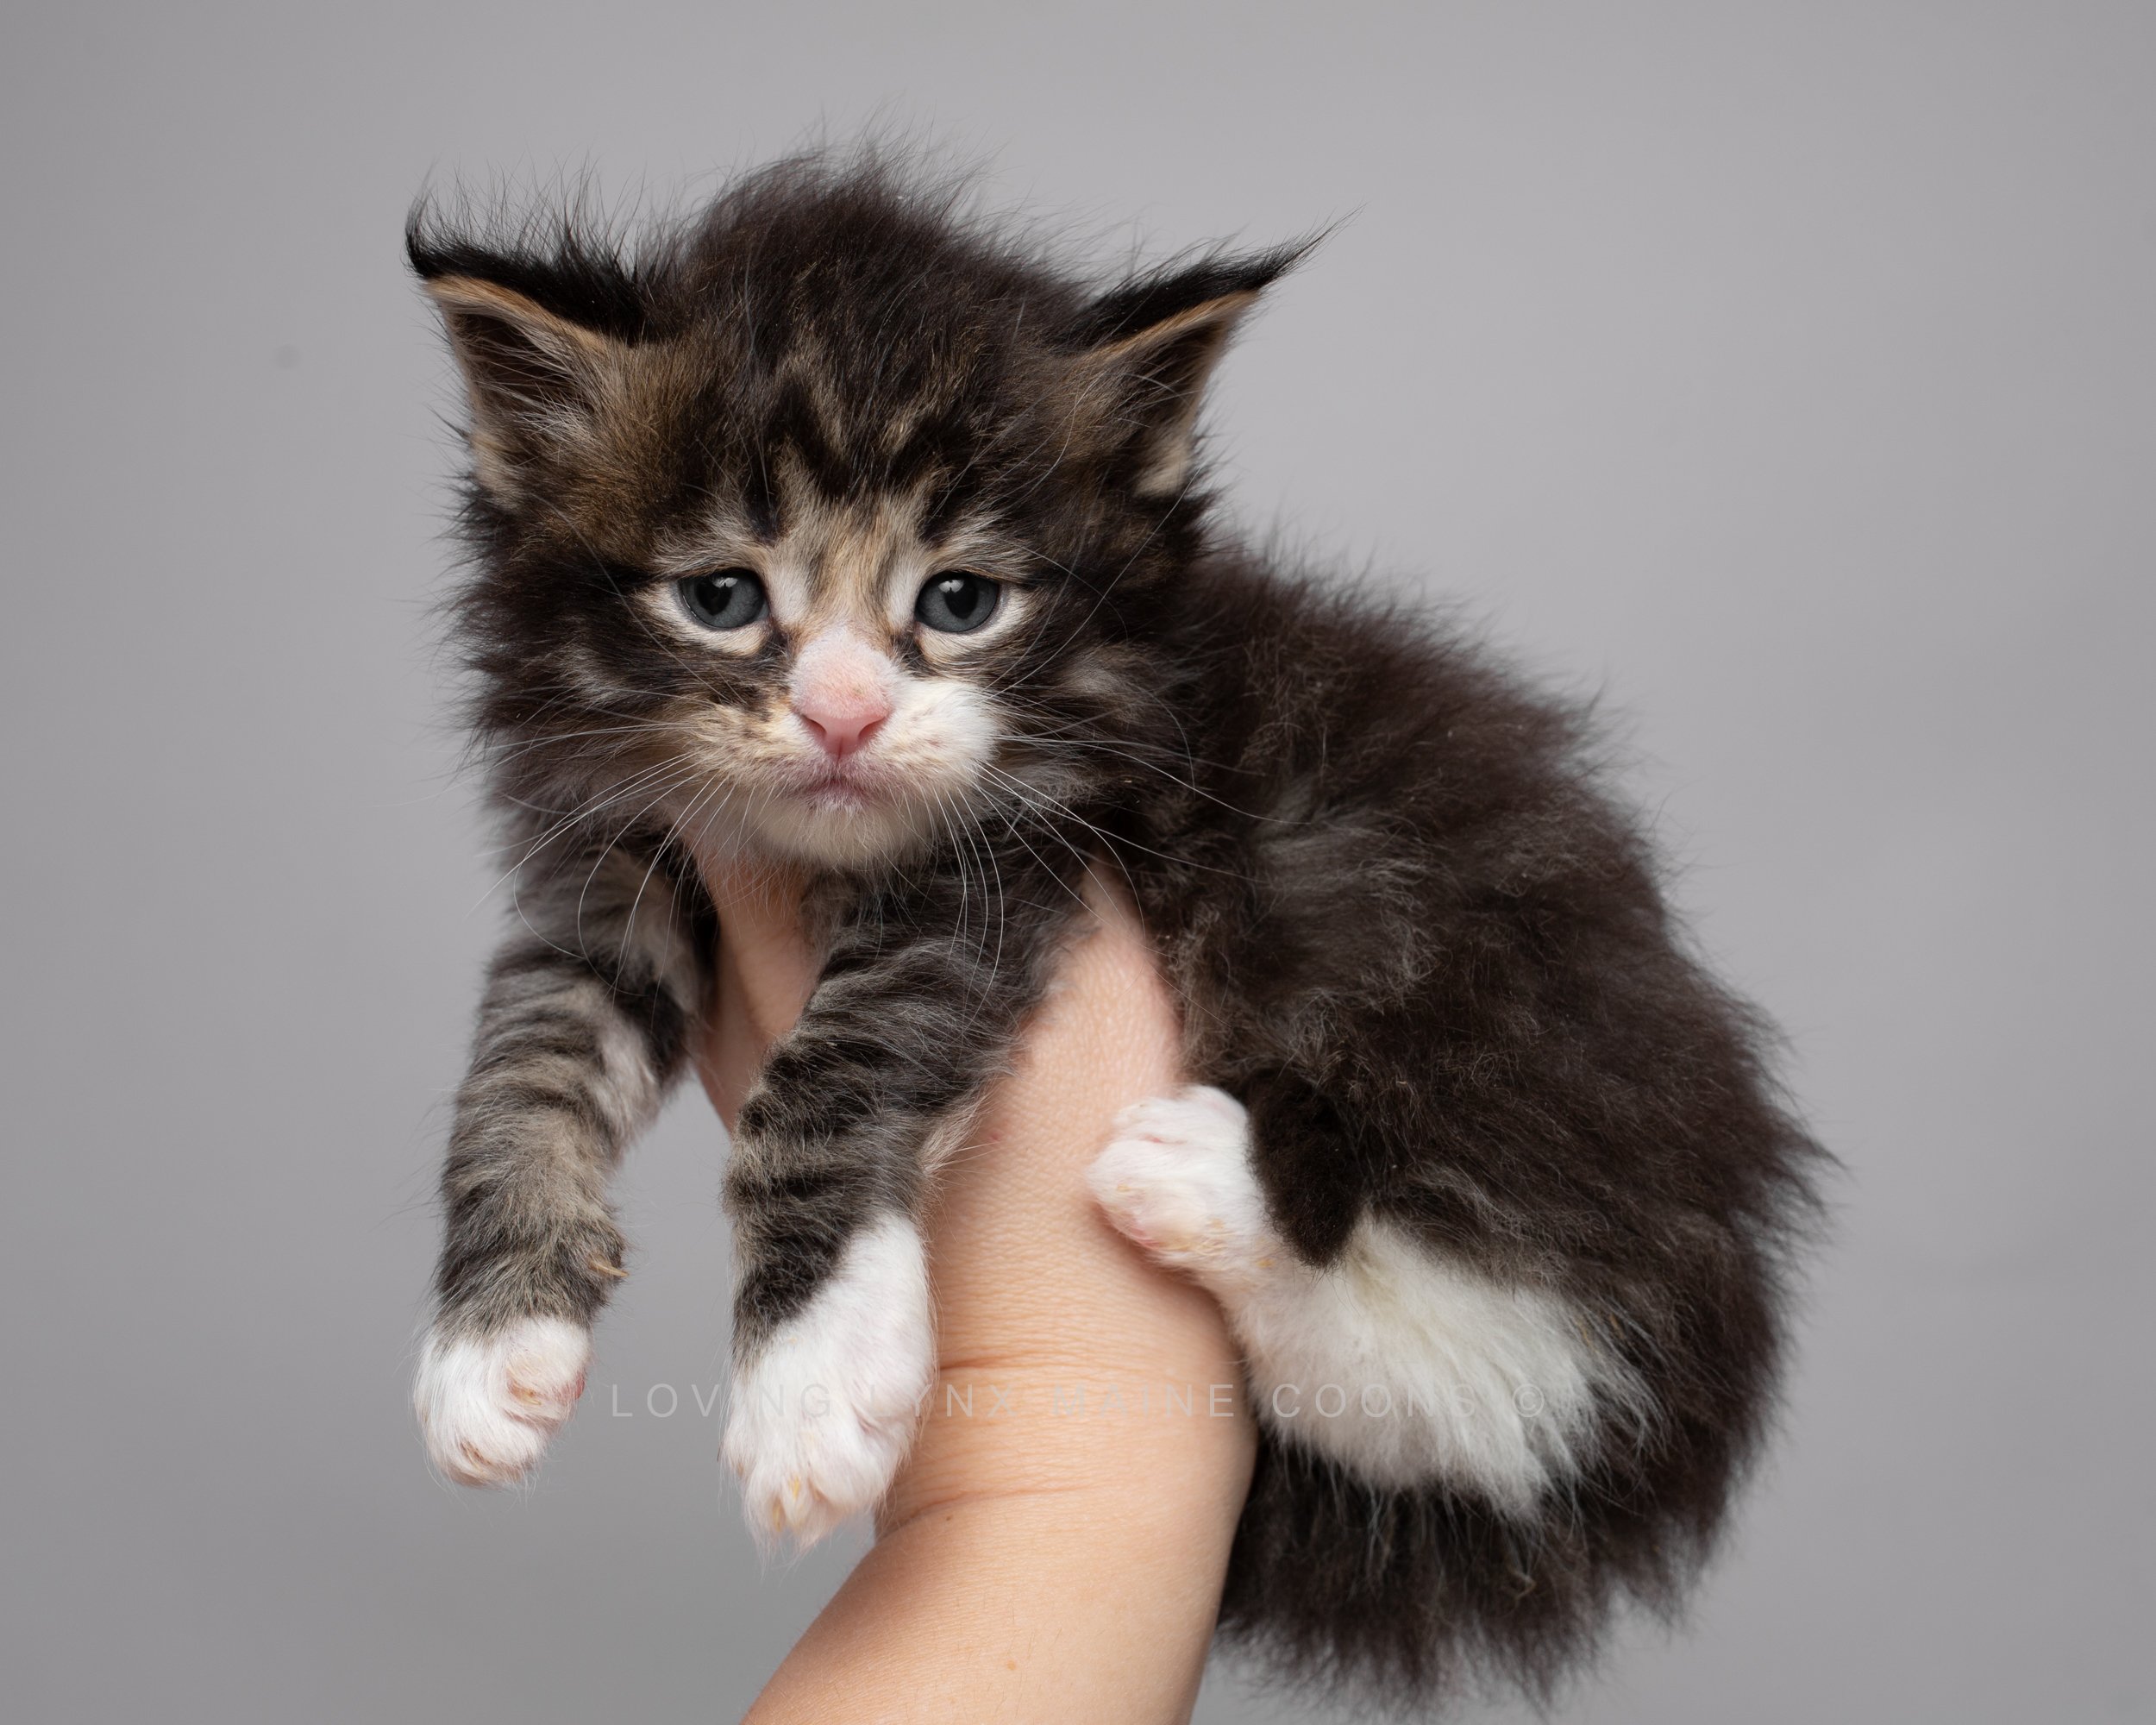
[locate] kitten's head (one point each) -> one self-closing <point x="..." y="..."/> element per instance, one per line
<point x="822" y="525"/>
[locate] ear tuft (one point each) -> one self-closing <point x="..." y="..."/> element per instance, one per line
<point x="1147" y="347"/>
<point x="1174" y="288"/>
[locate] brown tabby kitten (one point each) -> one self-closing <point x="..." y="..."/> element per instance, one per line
<point x="831" y="528"/>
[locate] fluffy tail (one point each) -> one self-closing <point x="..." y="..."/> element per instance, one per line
<point x="1405" y="1598"/>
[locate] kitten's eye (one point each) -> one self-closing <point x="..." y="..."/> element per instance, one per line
<point x="726" y="599"/>
<point x="957" y="603"/>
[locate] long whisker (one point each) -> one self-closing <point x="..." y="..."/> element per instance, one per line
<point x="563" y="824"/>
<point x="1036" y="798"/>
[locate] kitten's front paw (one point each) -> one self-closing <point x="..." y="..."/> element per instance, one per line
<point x="488" y="1404"/>
<point x="1176" y="1179"/>
<point x="819" y="1419"/>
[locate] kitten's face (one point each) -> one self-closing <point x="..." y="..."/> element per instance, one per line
<point x="844" y="687"/>
<point x="825" y="555"/>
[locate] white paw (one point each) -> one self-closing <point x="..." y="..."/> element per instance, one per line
<point x="487" y="1404"/>
<point x="819" y="1421"/>
<point x="1175" y="1178"/>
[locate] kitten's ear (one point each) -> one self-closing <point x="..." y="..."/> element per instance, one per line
<point x="534" y="378"/>
<point x="1146" y="351"/>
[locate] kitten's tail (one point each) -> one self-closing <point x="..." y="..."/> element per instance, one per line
<point x="1404" y="1598"/>
<point x="1407" y="1596"/>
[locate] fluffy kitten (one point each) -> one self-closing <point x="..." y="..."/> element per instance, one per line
<point x="828" y="526"/>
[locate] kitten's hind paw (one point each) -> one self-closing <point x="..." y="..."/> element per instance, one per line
<point x="822" y="1414"/>
<point x="1176" y="1180"/>
<point x="487" y="1404"/>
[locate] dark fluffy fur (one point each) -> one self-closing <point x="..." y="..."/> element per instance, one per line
<point x="1413" y="934"/>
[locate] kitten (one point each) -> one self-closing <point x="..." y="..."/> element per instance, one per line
<point x="830" y="527"/>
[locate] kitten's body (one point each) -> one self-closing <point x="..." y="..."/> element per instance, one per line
<point x="1501" y="1165"/>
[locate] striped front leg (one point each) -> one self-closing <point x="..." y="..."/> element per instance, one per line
<point x="583" y="1024"/>
<point x="834" y="1337"/>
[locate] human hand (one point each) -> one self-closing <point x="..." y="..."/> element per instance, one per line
<point x="1054" y="1544"/>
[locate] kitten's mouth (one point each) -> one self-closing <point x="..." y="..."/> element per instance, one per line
<point x="839" y="787"/>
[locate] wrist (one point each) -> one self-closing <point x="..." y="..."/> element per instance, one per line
<point x="1111" y="1439"/>
<point x="1040" y="1565"/>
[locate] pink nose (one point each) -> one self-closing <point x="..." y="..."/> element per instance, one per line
<point x="842" y="691"/>
<point x="842" y="729"/>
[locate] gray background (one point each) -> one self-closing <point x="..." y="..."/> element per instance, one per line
<point x="1785" y="372"/>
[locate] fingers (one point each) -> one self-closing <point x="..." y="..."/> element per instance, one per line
<point x="765" y="972"/>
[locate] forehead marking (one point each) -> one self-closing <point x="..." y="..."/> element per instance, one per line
<point x="849" y="555"/>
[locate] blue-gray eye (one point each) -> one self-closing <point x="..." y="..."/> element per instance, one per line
<point x="957" y="603"/>
<point x="725" y="598"/>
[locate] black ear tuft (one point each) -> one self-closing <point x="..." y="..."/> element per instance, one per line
<point x="1174" y="288"/>
<point x="563" y="262"/>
